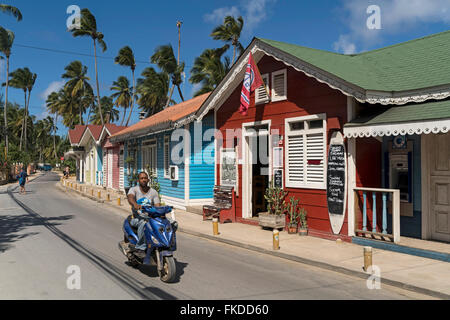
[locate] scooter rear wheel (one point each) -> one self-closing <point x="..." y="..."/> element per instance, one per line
<point x="169" y="270"/>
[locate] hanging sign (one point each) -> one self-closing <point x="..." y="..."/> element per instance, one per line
<point x="336" y="181"/>
<point x="278" y="178"/>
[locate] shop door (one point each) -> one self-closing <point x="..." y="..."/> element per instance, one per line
<point x="440" y="187"/>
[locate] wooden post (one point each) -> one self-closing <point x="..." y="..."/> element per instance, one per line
<point x="276" y="239"/>
<point x="215" y="223"/>
<point x="367" y="258"/>
<point x="118" y="201"/>
<point x="396" y="216"/>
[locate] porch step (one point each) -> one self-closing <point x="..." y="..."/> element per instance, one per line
<point x="424" y="253"/>
<point x="195" y="209"/>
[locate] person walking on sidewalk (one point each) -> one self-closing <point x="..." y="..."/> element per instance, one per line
<point x="142" y="190"/>
<point x="23" y="177"/>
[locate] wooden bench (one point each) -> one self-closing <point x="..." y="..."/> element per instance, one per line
<point x="224" y="206"/>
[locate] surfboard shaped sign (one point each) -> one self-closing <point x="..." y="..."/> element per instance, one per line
<point x="337" y="181"/>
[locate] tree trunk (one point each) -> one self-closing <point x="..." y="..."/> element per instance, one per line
<point x="6" y="103"/>
<point x="170" y="96"/>
<point x="26" y="121"/>
<point x="23" y="121"/>
<point x="98" y="89"/>
<point x="132" y="100"/>
<point x="54" y="137"/>
<point x="234" y="54"/>
<point x="123" y="116"/>
<point x="179" y="92"/>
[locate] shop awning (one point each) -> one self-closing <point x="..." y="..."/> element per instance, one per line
<point x="75" y="153"/>
<point x="423" y="118"/>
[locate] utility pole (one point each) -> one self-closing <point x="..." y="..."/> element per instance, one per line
<point x="179" y="23"/>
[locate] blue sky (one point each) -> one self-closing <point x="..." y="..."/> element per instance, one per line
<point x="338" y="26"/>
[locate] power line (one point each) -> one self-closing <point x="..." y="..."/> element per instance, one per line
<point x="75" y="53"/>
<point x="71" y="52"/>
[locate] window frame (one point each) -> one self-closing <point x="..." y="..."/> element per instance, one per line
<point x="272" y="92"/>
<point x="304" y="132"/>
<point x="147" y="145"/>
<point x="166" y="157"/>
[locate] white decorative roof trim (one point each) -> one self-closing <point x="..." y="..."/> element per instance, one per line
<point x="416" y="97"/>
<point x="184" y="121"/>
<point x="395" y="129"/>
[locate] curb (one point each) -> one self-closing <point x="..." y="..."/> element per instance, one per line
<point x="306" y="261"/>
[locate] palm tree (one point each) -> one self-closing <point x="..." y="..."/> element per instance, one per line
<point x="6" y="42"/>
<point x="153" y="90"/>
<point x="209" y="70"/>
<point x="11" y="10"/>
<point x="89" y="29"/>
<point x="30" y="80"/>
<point x="230" y="31"/>
<point x="53" y="108"/>
<point x="78" y="84"/>
<point x="18" y="81"/>
<point x="110" y="113"/>
<point x="164" y="58"/>
<point x="126" y="58"/>
<point x="122" y="95"/>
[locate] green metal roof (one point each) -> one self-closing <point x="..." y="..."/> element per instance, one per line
<point x="407" y="113"/>
<point x="411" y="65"/>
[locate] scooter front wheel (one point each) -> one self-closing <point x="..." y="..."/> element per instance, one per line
<point x="169" y="270"/>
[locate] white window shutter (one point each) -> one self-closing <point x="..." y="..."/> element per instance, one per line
<point x="279" y="85"/>
<point x="261" y="94"/>
<point x="296" y="159"/>
<point x="166" y="157"/>
<point x="315" y="151"/>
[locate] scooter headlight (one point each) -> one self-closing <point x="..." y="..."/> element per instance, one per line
<point x="154" y="240"/>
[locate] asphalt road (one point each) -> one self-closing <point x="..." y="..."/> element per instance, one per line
<point x="46" y="232"/>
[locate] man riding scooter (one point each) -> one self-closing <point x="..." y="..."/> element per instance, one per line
<point x="142" y="190"/>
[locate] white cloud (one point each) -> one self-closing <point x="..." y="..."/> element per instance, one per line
<point x="219" y="14"/>
<point x="52" y="87"/>
<point x="253" y="12"/>
<point x="397" y="16"/>
<point x="256" y="12"/>
<point x="344" y="45"/>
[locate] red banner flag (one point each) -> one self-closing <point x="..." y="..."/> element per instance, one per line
<point x="252" y="81"/>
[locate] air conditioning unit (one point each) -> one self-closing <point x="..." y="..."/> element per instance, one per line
<point x="173" y="171"/>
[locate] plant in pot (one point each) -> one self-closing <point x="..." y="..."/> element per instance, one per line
<point x="275" y="217"/>
<point x="303" y="227"/>
<point x="293" y="212"/>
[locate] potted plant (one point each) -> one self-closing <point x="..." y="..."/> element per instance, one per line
<point x="303" y="228"/>
<point x="293" y="212"/>
<point x="275" y="217"/>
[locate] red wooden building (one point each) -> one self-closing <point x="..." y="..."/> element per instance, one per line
<point x="311" y="95"/>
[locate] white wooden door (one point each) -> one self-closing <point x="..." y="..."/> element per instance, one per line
<point x="110" y="168"/>
<point x="440" y="187"/>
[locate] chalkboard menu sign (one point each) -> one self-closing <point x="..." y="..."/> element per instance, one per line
<point x="278" y="178"/>
<point x="336" y="179"/>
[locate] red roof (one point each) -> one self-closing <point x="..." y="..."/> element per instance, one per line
<point x="76" y="134"/>
<point x="173" y="113"/>
<point x="96" y="131"/>
<point x="113" y="129"/>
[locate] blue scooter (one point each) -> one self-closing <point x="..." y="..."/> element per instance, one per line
<point x="160" y="238"/>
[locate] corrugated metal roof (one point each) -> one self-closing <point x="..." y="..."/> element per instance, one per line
<point x="416" y="64"/>
<point x="173" y="113"/>
<point x="407" y="113"/>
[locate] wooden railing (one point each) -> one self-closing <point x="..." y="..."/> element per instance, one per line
<point x="390" y="203"/>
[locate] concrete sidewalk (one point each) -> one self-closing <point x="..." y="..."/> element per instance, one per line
<point x="422" y="275"/>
